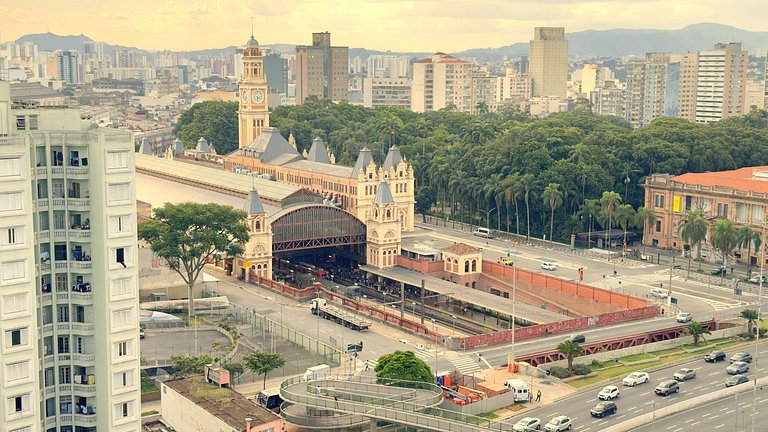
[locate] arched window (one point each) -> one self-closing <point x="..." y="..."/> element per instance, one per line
<point x="474" y="265"/>
<point x="466" y="266"/>
<point x="389" y="214"/>
<point x="258" y="225"/>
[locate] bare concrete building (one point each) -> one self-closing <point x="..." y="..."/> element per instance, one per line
<point x="548" y="62"/>
<point x="322" y="69"/>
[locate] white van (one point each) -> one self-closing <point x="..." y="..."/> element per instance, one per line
<point x="483" y="232"/>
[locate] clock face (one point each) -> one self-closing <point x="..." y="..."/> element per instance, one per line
<point x="244" y="95"/>
<point x="257" y="96"/>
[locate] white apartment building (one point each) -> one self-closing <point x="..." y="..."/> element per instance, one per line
<point x="721" y="83"/>
<point x="68" y="274"/>
<point x="513" y="87"/>
<point x="440" y="81"/>
<point x="387" y="92"/>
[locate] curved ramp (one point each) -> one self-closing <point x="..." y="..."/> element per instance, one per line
<point x="415" y="405"/>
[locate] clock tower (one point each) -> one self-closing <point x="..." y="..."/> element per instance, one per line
<point x="253" y="113"/>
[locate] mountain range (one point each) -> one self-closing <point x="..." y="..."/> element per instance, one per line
<point x="589" y="43"/>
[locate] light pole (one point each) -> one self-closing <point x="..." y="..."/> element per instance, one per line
<point x="453" y="326"/>
<point x="514" y="291"/>
<point x="318" y="316"/>
<point x="488" y="216"/>
<point x="757" y="335"/>
<point x="434" y="330"/>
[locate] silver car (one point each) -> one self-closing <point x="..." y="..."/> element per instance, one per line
<point x="684" y="374"/>
<point x="737" y="368"/>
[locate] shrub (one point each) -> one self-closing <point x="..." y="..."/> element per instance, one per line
<point x="581" y="369"/>
<point x="559" y="372"/>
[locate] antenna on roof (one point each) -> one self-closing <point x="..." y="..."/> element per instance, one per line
<point x="252" y="28"/>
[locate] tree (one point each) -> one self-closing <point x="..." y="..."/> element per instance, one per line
<point x="425" y="197"/>
<point x="570" y="349"/>
<point x="513" y="190"/>
<point x="693" y="230"/>
<point x="405" y="366"/>
<point x="216" y="121"/>
<point x="554" y="198"/>
<point x="746" y="237"/>
<point x="723" y="237"/>
<point x="697" y="330"/>
<point x="751" y="316"/>
<point x="527" y="181"/>
<point x="610" y="202"/>
<point x="188" y="234"/>
<point x="625" y="216"/>
<point x="235" y="370"/>
<point x="186" y="365"/>
<point x="262" y="363"/>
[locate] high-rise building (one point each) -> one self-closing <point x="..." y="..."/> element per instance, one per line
<point x="68" y="67"/>
<point x="68" y="273"/>
<point x="387" y="92"/>
<point x="483" y="92"/>
<point x="322" y="70"/>
<point x="721" y="82"/>
<point x="440" y="81"/>
<point x="514" y="87"/>
<point x="548" y="62"/>
<point x="253" y="113"/>
<point x="387" y="66"/>
<point x="276" y="73"/>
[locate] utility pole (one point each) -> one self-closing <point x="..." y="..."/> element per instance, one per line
<point x="422" y="302"/>
<point x="757" y="335"/>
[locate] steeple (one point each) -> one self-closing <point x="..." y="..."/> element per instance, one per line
<point x="383" y="194"/>
<point x="178" y="147"/>
<point x="393" y="158"/>
<point x="253" y="203"/>
<point x="318" y="153"/>
<point x="363" y="160"/>
<point x="202" y="146"/>
<point x="146" y="147"/>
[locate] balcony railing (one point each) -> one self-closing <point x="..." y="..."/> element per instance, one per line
<point x="81" y="296"/>
<point x="63" y="327"/>
<point x="45" y="267"/>
<point x="85" y="389"/>
<point x="84" y="358"/>
<point x="82" y="170"/>
<point x="43" y="236"/>
<point x="79" y="202"/>
<point x="57" y="170"/>
<point x="79" y="234"/>
<point x="82" y="327"/>
<point x="41" y="204"/>
<point x="85" y="419"/>
<point x="59" y="202"/>
<point x="80" y="265"/>
<point x="59" y="234"/>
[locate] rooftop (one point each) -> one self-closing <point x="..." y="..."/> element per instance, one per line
<point x="24" y="91"/>
<point x="461" y="249"/>
<point x="753" y="179"/>
<point x="225" y="404"/>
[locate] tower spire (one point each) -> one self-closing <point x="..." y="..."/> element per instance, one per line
<point x="252" y="29"/>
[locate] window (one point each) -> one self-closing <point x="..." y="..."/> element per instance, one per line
<point x="10" y="166"/>
<point x="123" y="350"/>
<point x="49" y="381"/>
<point x="65" y="375"/>
<point x="11" y="201"/>
<point x="11" y="236"/>
<point x="119" y="225"/>
<point x="118" y="160"/>
<point x="20" y="405"/>
<point x="118" y="193"/>
<point x="121" y="257"/>
<point x="17" y="371"/>
<point x="123" y="379"/>
<point x="63" y="344"/>
<point x="122" y="318"/>
<point x="21" y="123"/>
<point x="121" y="287"/>
<point x="13" y="271"/>
<point x="63" y="315"/>
<point x="33" y="122"/>
<point x="123" y="410"/>
<point x="16" y="305"/>
<point x="16" y="338"/>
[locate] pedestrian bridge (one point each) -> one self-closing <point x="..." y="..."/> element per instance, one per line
<point x="332" y="403"/>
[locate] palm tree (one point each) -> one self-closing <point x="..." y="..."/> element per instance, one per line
<point x="751" y="316"/>
<point x="723" y="237"/>
<point x="554" y="198"/>
<point x="589" y="212"/>
<point x="746" y="237"/>
<point x="625" y="216"/>
<point x="482" y="107"/>
<point x="388" y="128"/>
<point x="570" y="349"/>
<point x="697" y="330"/>
<point x="512" y="193"/>
<point x="610" y="202"/>
<point x="528" y="181"/>
<point x="693" y="230"/>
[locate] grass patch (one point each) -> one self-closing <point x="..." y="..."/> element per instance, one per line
<point x="604" y="374"/>
<point x="604" y="365"/>
<point x="489" y="415"/>
<point x="637" y="357"/>
<point x="149" y="413"/>
<point x="666" y="352"/>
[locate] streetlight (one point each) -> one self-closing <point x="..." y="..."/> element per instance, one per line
<point x="757" y="336"/>
<point x="514" y="290"/>
<point x="434" y="330"/>
<point x="453" y="329"/>
<point x="488" y="216"/>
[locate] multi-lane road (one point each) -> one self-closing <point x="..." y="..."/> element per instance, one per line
<point x="641" y="399"/>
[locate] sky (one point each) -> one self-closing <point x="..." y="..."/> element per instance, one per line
<point x="397" y="25"/>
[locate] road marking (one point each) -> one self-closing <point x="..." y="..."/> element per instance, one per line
<point x="689" y="420"/>
<point x="643" y="394"/>
<point x="695" y="423"/>
<point x="713" y="373"/>
<point x="719" y="426"/>
<point x="621" y="416"/>
<point x="728" y="412"/>
<point x="632" y="408"/>
<point x="713" y="382"/>
<point x="714" y="416"/>
<point x="695" y="388"/>
<point x="723" y="409"/>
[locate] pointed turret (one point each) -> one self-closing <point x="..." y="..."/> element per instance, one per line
<point x="364" y="159"/>
<point x="146" y="147"/>
<point x="383" y="194"/>
<point x="393" y="158"/>
<point x="202" y="146"/>
<point x="292" y="140"/>
<point x="178" y="147"/>
<point x="318" y="153"/>
<point x="253" y="203"/>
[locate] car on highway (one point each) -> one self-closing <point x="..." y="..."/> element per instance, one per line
<point x="684" y="317"/>
<point x="608" y="393"/>
<point x="665" y="388"/>
<point x="684" y="374"/>
<point x="736" y="380"/>
<point x="714" y="357"/>
<point x="636" y="378"/>
<point x="719" y="271"/>
<point x="659" y="293"/>
<point x="741" y="357"/>
<point x="737" y="368"/>
<point x="558" y="424"/>
<point x="549" y="266"/>
<point x="505" y="261"/>
<point x="603" y="409"/>
<point x="527" y="424"/>
<point x="579" y="338"/>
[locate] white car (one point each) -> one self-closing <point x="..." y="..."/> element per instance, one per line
<point x="608" y="393"/>
<point x="636" y="378"/>
<point x="527" y="424"/>
<point x="558" y="424"/>
<point x="549" y="266"/>
<point x="684" y="317"/>
<point x="659" y="293"/>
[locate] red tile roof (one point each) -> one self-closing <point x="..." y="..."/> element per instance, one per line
<point x="461" y="249"/>
<point x="741" y="179"/>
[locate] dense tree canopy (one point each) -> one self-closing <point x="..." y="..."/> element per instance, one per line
<point x="403" y="365"/>
<point x="216" y="121"/>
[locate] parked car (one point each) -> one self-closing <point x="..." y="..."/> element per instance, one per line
<point x="684" y="317"/>
<point x="505" y="261"/>
<point x="608" y="393"/>
<point x="714" y="357"/>
<point x="684" y="374"/>
<point x="580" y="338"/>
<point x="603" y="409"/>
<point x="736" y="380"/>
<point x="636" y="378"/>
<point x="659" y="293"/>
<point x="527" y="424"/>
<point x="549" y="266"/>
<point x="741" y="357"/>
<point x="755" y="279"/>
<point x="667" y="387"/>
<point x="737" y="368"/>
<point x="558" y="424"/>
<point x="720" y="271"/>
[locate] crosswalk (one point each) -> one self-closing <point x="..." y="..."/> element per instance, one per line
<point x="464" y="363"/>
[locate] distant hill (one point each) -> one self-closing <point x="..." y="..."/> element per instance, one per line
<point x="589" y="43"/>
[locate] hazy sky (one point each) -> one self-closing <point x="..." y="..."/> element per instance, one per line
<point x="399" y="25"/>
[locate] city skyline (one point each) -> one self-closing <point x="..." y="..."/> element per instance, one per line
<point x="375" y="24"/>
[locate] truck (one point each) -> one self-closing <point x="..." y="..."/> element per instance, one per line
<point x="270" y="399"/>
<point x="519" y="388"/>
<point x="318" y="372"/>
<point x="217" y="375"/>
<point x="341" y="316"/>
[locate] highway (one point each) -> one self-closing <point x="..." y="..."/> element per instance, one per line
<point x="642" y="399"/>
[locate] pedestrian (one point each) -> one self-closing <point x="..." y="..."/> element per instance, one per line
<point x="538" y="396"/>
<point x="366" y="365"/>
<point x="336" y="398"/>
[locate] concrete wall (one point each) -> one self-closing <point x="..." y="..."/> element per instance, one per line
<point x="185" y="416"/>
<point x="490" y="404"/>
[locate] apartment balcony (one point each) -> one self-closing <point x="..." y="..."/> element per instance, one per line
<point x="61" y="265"/>
<point x="82" y="328"/>
<point x="80" y="234"/>
<point x="84" y="358"/>
<point x="86" y="419"/>
<point x="81" y="297"/>
<point x="57" y="170"/>
<point x="64" y="327"/>
<point x="41" y="170"/>
<point x="60" y="202"/>
<point x="50" y="422"/>
<point x="43" y="236"/>
<point x="77" y="171"/>
<point x="83" y="204"/>
<point x="64" y="388"/>
<point x="59" y="235"/>
<point x="49" y="391"/>
<point x="85" y="389"/>
<point x="47" y="328"/>
<point x="41" y="204"/>
<point x="45" y="267"/>
<point x="80" y="265"/>
<point x="48" y="360"/>
<point x="62" y="296"/>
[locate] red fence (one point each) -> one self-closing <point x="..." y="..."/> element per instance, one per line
<point x="380" y="313"/>
<point x="282" y="288"/>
